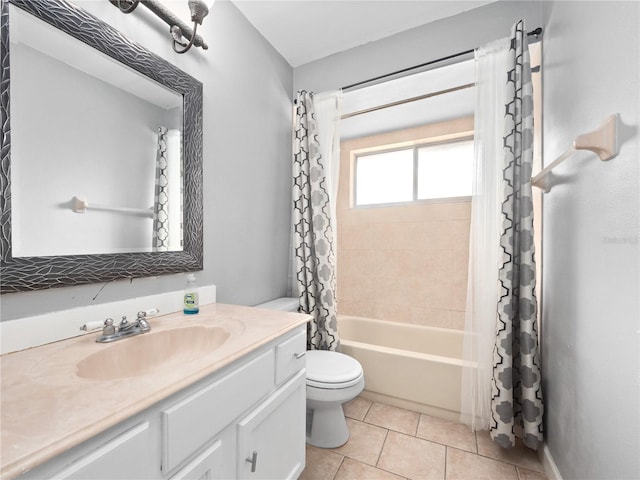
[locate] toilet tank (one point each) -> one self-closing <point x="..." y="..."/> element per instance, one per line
<point x="285" y="304"/>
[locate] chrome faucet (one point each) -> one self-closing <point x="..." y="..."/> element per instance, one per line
<point x="126" y="329"/>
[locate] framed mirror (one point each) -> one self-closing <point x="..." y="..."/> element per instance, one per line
<point x="101" y="157"/>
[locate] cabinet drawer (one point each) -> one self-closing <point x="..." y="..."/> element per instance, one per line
<point x="124" y="457"/>
<point x="190" y="423"/>
<point x="288" y="359"/>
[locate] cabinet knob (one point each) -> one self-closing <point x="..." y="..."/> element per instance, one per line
<point x="253" y="460"/>
<point x="299" y="355"/>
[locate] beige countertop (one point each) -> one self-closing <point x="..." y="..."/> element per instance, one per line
<point x="46" y="408"/>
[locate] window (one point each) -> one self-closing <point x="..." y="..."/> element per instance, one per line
<point x="421" y="172"/>
<point x="385" y="177"/>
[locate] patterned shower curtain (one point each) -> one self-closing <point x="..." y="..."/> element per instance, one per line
<point x="516" y="404"/>
<point x="313" y="235"/>
<point x="160" y="239"/>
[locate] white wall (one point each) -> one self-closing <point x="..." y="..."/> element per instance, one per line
<point x="429" y="42"/>
<point x="247" y="154"/>
<point x="591" y="244"/>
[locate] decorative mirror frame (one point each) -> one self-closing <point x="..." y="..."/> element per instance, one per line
<point x="35" y="273"/>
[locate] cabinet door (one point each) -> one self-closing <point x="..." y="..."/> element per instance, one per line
<point x="216" y="462"/>
<point x="273" y="435"/>
<point x="196" y="419"/>
<point x="125" y="457"/>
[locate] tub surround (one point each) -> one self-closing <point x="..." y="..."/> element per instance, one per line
<point x="44" y="382"/>
<point x="405" y="262"/>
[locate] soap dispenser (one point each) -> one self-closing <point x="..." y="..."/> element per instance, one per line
<point x="191" y="300"/>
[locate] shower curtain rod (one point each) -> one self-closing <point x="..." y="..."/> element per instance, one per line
<point x="406" y="100"/>
<point x="534" y="33"/>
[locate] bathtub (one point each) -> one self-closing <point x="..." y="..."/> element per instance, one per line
<point x="405" y="365"/>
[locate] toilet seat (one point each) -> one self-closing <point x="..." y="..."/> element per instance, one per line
<point x="332" y="370"/>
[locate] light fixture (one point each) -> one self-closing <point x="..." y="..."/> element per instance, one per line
<point x="184" y="37"/>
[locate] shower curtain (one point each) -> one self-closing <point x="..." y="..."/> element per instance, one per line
<point x="503" y="392"/>
<point x="482" y="284"/>
<point x="160" y="239"/>
<point x="167" y="202"/>
<point x="327" y="108"/>
<point x="312" y="229"/>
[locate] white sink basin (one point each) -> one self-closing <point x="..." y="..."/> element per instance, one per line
<point x="149" y="352"/>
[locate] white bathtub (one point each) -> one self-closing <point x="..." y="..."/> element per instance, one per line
<point x="409" y="366"/>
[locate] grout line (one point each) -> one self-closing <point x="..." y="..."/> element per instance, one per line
<point x="339" y="467"/>
<point x="491" y="458"/>
<point x="447" y="445"/>
<point x="396" y="431"/>
<point x="368" y="410"/>
<point x="436" y="442"/>
<point x="446" y="453"/>
<point x="386" y="435"/>
<point x="391" y="472"/>
<point x="509" y="462"/>
<point x="475" y="436"/>
<point x="414" y="434"/>
<point x="514" y="465"/>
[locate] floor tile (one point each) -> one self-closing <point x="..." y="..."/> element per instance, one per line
<point x="412" y="457"/>
<point x="321" y="464"/>
<point x="524" y="474"/>
<point x="467" y="466"/>
<point x="365" y="442"/>
<point x="357" y="408"/>
<point x="377" y="450"/>
<point x="448" y="433"/>
<point x="518" y="455"/>
<point x="393" y="418"/>
<point x="352" y="470"/>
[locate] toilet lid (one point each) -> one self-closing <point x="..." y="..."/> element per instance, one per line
<point x="327" y="367"/>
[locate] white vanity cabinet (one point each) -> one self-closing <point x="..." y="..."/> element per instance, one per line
<point x="209" y="430"/>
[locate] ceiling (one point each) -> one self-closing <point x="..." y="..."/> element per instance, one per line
<point x="307" y="30"/>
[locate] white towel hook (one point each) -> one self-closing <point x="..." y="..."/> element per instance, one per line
<point x="603" y="142"/>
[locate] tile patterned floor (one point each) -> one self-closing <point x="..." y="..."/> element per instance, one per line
<point x="389" y="443"/>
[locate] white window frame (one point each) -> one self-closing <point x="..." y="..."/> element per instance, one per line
<point x="415" y="146"/>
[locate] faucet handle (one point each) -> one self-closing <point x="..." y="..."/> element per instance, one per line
<point x="109" y="328"/>
<point x="124" y="322"/>
<point x="142" y="321"/>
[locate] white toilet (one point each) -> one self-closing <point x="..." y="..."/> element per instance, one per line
<point x="332" y="379"/>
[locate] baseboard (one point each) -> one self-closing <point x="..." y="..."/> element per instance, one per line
<point x="549" y="464"/>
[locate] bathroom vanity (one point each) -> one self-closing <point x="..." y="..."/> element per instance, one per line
<point x="218" y="395"/>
